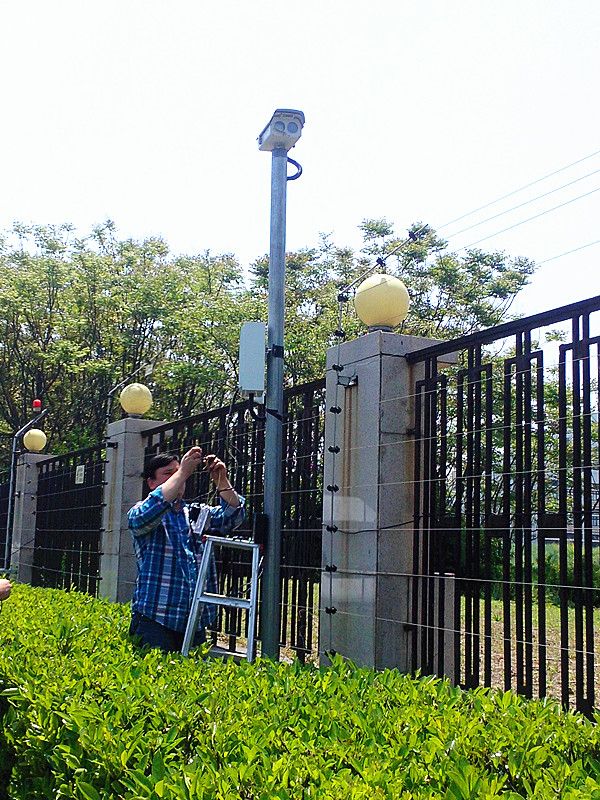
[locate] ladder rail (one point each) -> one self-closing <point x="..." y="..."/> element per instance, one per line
<point x="200" y="597"/>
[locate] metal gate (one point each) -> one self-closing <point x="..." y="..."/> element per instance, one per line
<point x="69" y="520"/>
<point x="238" y="438"/>
<point x="506" y="506"/>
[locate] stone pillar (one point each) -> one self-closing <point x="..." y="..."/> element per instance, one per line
<point x="23" y="539"/>
<point x="368" y="553"/>
<point x="125" y="461"/>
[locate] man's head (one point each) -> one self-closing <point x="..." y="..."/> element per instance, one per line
<point x="159" y="468"/>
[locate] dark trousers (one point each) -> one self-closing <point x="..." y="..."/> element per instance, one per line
<point x="150" y="633"/>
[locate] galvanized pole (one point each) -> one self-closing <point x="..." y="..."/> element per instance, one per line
<point x="271" y="611"/>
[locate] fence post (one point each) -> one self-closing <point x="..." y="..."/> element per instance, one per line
<point x="26" y="490"/>
<point x="124" y="464"/>
<point x="368" y="502"/>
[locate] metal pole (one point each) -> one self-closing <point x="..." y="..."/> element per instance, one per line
<point x="11" y="485"/>
<point x="11" y="503"/>
<point x="271" y="611"/>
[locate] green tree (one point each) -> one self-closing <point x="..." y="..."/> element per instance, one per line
<point x="450" y="295"/>
<point x="79" y="314"/>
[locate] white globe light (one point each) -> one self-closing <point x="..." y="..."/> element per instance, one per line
<point x="35" y="440"/>
<point x="382" y="301"/>
<point x="136" y="398"/>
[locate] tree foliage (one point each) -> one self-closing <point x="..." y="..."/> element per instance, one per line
<point x="80" y="314"/>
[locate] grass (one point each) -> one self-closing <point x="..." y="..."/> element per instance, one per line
<point x="553" y="649"/>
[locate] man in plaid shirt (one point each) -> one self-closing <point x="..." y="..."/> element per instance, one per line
<point x="168" y="550"/>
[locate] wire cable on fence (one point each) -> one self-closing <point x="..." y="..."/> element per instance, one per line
<point x="573" y="652"/>
<point x="464" y="578"/>
<point x="468" y="633"/>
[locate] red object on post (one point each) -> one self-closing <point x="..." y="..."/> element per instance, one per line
<point x="37" y="405"/>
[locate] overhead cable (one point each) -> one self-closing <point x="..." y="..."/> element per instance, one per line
<point x="520" y="205"/>
<point x="568" y="252"/>
<point x="529" y="219"/>
<point x="520" y="189"/>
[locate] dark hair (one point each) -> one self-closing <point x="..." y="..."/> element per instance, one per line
<point x="156" y="462"/>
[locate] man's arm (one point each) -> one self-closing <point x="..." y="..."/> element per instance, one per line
<point x="5" y="588"/>
<point x="225" y="518"/>
<point x="174" y="487"/>
<point x="145" y="516"/>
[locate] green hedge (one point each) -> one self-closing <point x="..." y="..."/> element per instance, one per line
<point x="88" y="716"/>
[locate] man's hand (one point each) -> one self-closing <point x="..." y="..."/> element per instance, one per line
<point x="190" y="461"/>
<point x="5" y="588"/>
<point x="174" y="487"/>
<point x="217" y="471"/>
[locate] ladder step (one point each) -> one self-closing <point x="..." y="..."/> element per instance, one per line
<point x="201" y="596"/>
<point x="234" y="544"/>
<point x="222" y="600"/>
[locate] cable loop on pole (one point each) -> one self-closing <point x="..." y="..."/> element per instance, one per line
<point x="296" y="174"/>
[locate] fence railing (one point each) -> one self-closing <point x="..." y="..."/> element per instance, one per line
<point x="506" y="499"/>
<point x="505" y="525"/>
<point x="68" y="525"/>
<point x="232" y="433"/>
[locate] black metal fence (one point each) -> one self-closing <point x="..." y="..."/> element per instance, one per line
<point x="4" y="489"/>
<point x="69" y="520"/>
<point x="506" y="499"/>
<point x="237" y="437"/>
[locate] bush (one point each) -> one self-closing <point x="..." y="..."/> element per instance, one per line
<point x="88" y="716"/>
<point x="551" y="574"/>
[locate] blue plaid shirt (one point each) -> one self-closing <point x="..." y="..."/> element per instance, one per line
<point x="168" y="557"/>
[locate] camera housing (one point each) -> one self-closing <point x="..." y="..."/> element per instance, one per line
<point x="282" y="131"/>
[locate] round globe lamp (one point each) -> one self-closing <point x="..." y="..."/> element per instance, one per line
<point x="135" y="399"/>
<point x="382" y="302"/>
<point x="35" y="440"/>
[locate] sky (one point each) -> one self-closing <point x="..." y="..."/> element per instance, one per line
<point x="146" y="112"/>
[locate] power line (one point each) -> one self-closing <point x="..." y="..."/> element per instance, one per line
<point x="520" y="189"/>
<point x="413" y="235"/>
<point x="529" y="219"/>
<point x="568" y="252"/>
<point x="525" y="203"/>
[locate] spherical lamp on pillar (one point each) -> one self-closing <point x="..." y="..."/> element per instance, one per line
<point x="135" y="399"/>
<point x="35" y="440"/>
<point x="382" y="302"/>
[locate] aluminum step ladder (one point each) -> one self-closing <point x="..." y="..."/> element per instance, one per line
<point x="201" y="596"/>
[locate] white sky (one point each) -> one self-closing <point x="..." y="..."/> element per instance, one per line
<point x="147" y="113"/>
